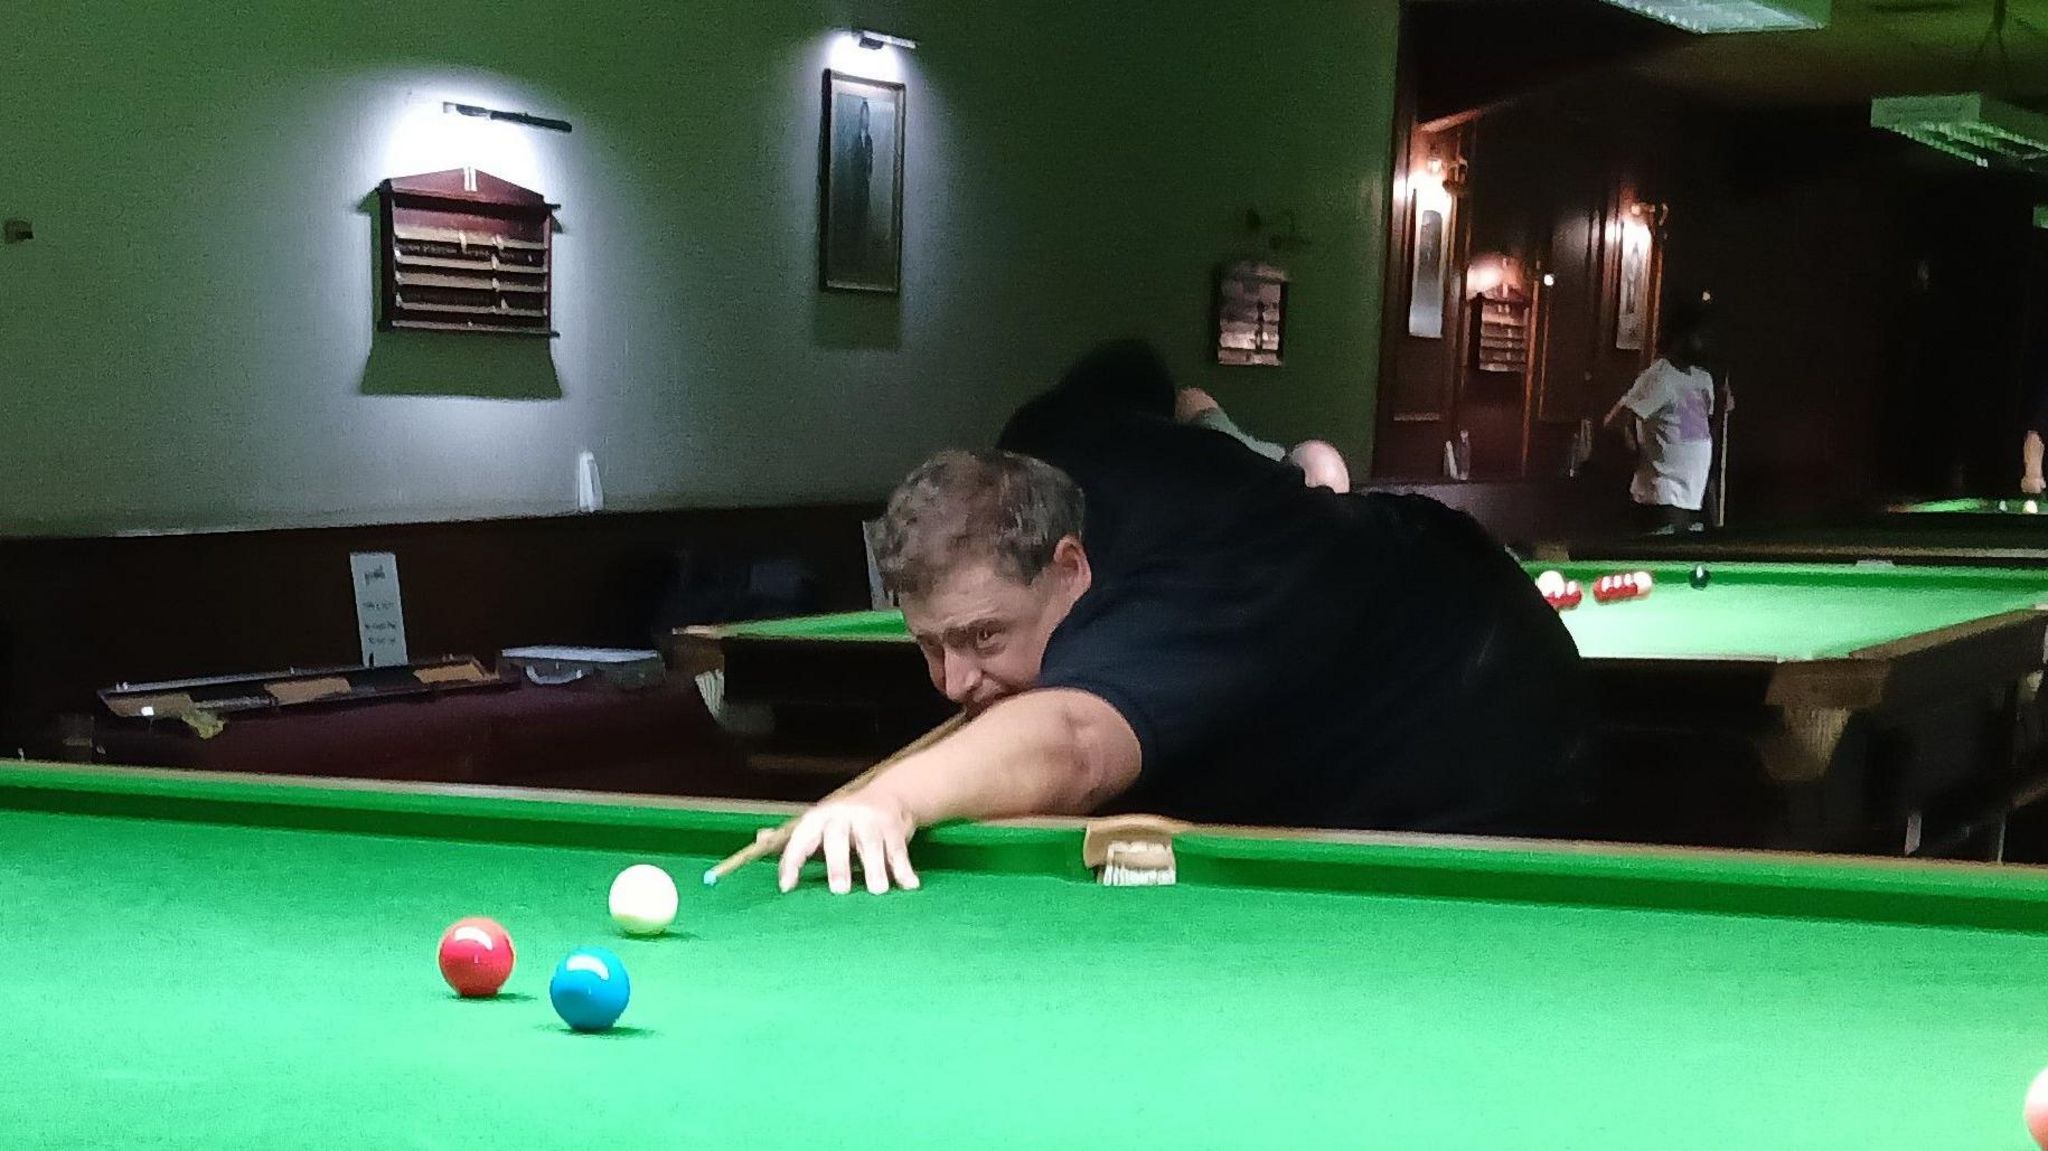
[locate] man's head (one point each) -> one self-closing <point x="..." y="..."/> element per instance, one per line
<point x="1688" y="332"/>
<point x="983" y="549"/>
<point x="1321" y="464"/>
<point x="1129" y="374"/>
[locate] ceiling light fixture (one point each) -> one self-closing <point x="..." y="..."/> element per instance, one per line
<point x="525" y="118"/>
<point x="1976" y="127"/>
<point x="1709" y="17"/>
<point x="1971" y="126"/>
<point x="869" y="38"/>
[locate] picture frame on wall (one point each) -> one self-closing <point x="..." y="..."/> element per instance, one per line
<point x="860" y="185"/>
<point x="1426" y="290"/>
<point x="1632" y="302"/>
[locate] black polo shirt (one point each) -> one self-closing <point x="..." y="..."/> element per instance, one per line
<point x="1289" y="655"/>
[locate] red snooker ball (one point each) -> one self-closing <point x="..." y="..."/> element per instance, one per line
<point x="476" y="957"/>
<point x="2036" y="1110"/>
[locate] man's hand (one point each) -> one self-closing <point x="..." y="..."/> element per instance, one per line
<point x="2033" y="485"/>
<point x="867" y="824"/>
<point x="1191" y="402"/>
<point x="1046" y="752"/>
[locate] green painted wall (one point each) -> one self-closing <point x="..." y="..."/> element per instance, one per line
<point x="189" y="339"/>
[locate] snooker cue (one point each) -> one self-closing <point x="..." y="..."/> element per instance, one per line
<point x="771" y="840"/>
<point x="1721" y="480"/>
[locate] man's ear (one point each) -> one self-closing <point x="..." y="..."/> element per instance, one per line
<point x="1070" y="564"/>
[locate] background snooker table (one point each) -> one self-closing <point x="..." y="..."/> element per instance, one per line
<point x="1953" y="532"/>
<point x="1818" y="707"/>
<point x="1970" y="506"/>
<point x="236" y="962"/>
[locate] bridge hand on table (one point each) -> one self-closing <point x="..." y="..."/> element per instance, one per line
<point x="873" y="828"/>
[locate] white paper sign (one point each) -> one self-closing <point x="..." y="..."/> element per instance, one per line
<point x="380" y="614"/>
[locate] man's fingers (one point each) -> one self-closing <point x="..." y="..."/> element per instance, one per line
<point x="867" y="840"/>
<point x="839" y="832"/>
<point x="838" y="867"/>
<point x="803" y="843"/>
<point x="898" y="849"/>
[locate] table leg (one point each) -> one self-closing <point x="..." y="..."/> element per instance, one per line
<point x="1802" y="745"/>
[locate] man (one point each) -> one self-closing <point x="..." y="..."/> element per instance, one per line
<point x="1142" y="615"/>
<point x="1320" y="463"/>
<point x="1131" y="373"/>
<point x="1669" y="413"/>
<point x="2031" y="445"/>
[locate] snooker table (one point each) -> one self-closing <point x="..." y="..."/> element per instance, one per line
<point x="1990" y="533"/>
<point x="248" y="962"/>
<point x="1855" y="702"/>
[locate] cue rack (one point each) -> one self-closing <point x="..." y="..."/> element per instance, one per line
<point x="463" y="251"/>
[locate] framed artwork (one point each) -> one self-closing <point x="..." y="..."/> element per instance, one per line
<point x="860" y="186"/>
<point x="1426" y="291"/>
<point x="1632" y="307"/>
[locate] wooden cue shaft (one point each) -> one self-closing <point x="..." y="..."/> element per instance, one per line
<point x="1721" y="481"/>
<point x="770" y="840"/>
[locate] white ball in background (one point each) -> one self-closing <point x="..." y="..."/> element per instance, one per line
<point x="643" y="900"/>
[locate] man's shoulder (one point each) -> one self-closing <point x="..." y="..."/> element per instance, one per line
<point x="1062" y="420"/>
<point x="1654" y="375"/>
<point x="1048" y="419"/>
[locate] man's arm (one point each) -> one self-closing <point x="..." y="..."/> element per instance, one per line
<point x="1199" y="408"/>
<point x="1643" y="398"/>
<point x="1614" y="413"/>
<point x="1628" y="429"/>
<point x="1054" y="752"/>
<point x="2031" y="480"/>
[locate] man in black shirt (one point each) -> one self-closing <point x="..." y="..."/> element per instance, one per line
<point x="1144" y="615"/>
<point x="1131" y="373"/>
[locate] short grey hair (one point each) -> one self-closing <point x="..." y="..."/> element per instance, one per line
<point x="962" y="507"/>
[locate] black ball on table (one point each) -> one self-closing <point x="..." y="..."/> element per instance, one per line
<point x="1700" y="575"/>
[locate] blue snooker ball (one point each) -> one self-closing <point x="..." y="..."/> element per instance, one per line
<point x="590" y="989"/>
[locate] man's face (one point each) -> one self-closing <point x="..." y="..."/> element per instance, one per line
<point x="983" y="633"/>
<point x="1697" y="346"/>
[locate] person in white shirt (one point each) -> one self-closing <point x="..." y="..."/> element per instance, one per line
<point x="1668" y="419"/>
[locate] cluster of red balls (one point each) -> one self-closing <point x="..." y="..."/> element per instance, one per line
<point x="1566" y="594"/>
<point x="1625" y="585"/>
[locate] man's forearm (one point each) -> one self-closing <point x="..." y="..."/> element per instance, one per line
<point x="2030" y="456"/>
<point x="1215" y="420"/>
<point x="1041" y="753"/>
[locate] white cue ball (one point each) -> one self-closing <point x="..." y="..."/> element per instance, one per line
<point x="2031" y="508"/>
<point x="1550" y="583"/>
<point x="643" y="900"/>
